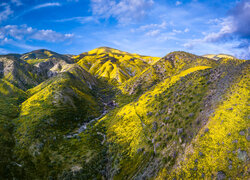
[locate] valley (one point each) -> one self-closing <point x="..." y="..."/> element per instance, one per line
<point x="110" y="114"/>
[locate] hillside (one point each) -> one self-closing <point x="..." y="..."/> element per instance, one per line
<point x="42" y="55"/>
<point x="109" y="114"/>
<point x="113" y="65"/>
<point x="167" y="66"/>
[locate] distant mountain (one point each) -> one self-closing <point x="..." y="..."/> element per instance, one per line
<point x="218" y="56"/>
<point x="19" y="73"/>
<point x="43" y="54"/>
<point x="109" y="114"/>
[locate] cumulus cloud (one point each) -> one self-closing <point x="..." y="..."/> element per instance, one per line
<point x="237" y="24"/>
<point x="234" y="28"/>
<point x="227" y="28"/>
<point x="241" y="18"/>
<point x="23" y="32"/>
<point x="124" y="11"/>
<point x="6" y="12"/>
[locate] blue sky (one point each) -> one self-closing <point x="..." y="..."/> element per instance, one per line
<point x="150" y="27"/>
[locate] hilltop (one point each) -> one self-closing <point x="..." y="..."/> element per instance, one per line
<point x="218" y="56"/>
<point x="113" y="65"/>
<point x="110" y="114"/>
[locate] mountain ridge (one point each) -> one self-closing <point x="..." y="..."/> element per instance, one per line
<point x="109" y="114"/>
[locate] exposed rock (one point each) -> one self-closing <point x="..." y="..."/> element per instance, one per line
<point x="155" y="126"/>
<point x="167" y="118"/>
<point x="179" y="131"/>
<point x="248" y="138"/>
<point x="149" y="114"/>
<point x="242" y="133"/>
<point x="221" y="175"/>
<point x="191" y="115"/>
<point x="140" y="150"/>
<point x="235" y="141"/>
<point x="242" y="155"/>
<point x="174" y="154"/>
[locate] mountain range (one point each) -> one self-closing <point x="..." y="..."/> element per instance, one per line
<point x="110" y="114"/>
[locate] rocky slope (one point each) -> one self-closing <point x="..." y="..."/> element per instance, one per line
<point x="109" y="114"/>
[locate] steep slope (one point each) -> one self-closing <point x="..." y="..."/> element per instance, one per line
<point x="169" y="65"/>
<point x="221" y="148"/>
<point x="20" y="73"/>
<point x="48" y="62"/>
<point x="179" y="117"/>
<point x="54" y="109"/>
<point x="10" y="98"/>
<point x="154" y="131"/>
<point x="113" y="65"/>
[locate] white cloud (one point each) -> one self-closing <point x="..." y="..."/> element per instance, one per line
<point x="50" y="36"/>
<point x="176" y="31"/>
<point x="4" y="15"/>
<point x="124" y="11"/>
<point x="81" y="20"/>
<point x="23" y="32"/>
<point x="153" y="33"/>
<point x="163" y="25"/>
<point x="46" y="5"/>
<point x="186" y="30"/>
<point x="151" y="29"/>
<point x="177" y="3"/>
<point x="227" y="28"/>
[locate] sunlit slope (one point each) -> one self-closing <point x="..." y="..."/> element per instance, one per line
<point x="221" y="148"/>
<point x="113" y="65"/>
<point x="169" y="65"/>
<point x="181" y="116"/>
<point x="48" y="62"/>
<point x="218" y="56"/>
<point x="149" y="135"/>
<point x="149" y="126"/>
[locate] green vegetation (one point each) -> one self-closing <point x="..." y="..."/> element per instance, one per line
<point x="109" y="114"/>
<point x="113" y="65"/>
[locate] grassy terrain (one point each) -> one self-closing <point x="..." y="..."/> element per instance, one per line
<point x="113" y="65"/>
<point x="179" y="117"/>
